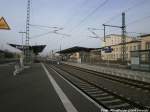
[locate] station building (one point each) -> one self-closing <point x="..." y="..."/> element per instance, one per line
<point x="135" y="47"/>
<point x="132" y="44"/>
<point x="114" y="39"/>
<point x="114" y="42"/>
<point x="116" y="54"/>
<point x="81" y="54"/>
<point x="140" y="59"/>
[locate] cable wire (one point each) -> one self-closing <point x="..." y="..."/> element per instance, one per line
<point x="70" y="19"/>
<point x="90" y="14"/>
<point x="126" y="10"/>
<point x="138" y="20"/>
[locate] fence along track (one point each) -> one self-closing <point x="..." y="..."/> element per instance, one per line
<point x="135" y="83"/>
<point x="101" y="95"/>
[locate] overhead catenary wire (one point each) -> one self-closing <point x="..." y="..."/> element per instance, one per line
<point x="90" y="37"/>
<point x="41" y="35"/>
<point x="90" y="14"/>
<point x="138" y="20"/>
<point x="126" y="10"/>
<point x="95" y="34"/>
<point x="54" y="30"/>
<point x="76" y="12"/>
<point x="85" y="18"/>
<point x="136" y="5"/>
<point x="55" y="27"/>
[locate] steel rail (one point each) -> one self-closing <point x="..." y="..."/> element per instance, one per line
<point x="131" y="82"/>
<point x="93" y="90"/>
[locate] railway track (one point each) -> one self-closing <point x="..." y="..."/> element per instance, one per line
<point x="103" y="96"/>
<point x="130" y="82"/>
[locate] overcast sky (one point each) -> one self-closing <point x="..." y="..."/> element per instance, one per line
<point x="75" y="16"/>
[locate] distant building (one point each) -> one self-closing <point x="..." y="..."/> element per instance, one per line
<point x="114" y="52"/>
<point x="115" y="55"/>
<point x="140" y="59"/>
<point x="114" y="39"/>
<point x="81" y="54"/>
<point x="114" y="42"/>
<point x="145" y="42"/>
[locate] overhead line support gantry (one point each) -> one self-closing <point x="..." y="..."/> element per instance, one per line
<point x="123" y="40"/>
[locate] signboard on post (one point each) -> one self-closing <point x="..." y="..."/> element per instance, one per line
<point x="3" y="24"/>
<point x="107" y="49"/>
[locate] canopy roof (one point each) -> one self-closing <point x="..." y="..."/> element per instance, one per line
<point x="36" y="48"/>
<point x="76" y="49"/>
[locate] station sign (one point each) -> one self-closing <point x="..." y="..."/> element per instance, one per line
<point x="107" y="49"/>
<point x="3" y="24"/>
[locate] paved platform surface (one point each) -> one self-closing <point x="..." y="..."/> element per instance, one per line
<point x="32" y="91"/>
<point x="137" y="75"/>
<point x="29" y="91"/>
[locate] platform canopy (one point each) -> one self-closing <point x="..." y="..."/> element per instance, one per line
<point x="75" y="49"/>
<point x="36" y="48"/>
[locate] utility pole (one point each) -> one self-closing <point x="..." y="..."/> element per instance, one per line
<point x="123" y="39"/>
<point x="104" y="33"/>
<point x="27" y="50"/>
<point x="123" y="54"/>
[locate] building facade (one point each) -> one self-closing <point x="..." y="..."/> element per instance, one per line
<point x="145" y="44"/>
<point x="116" y="54"/>
<point x="114" y="39"/>
<point x="114" y="42"/>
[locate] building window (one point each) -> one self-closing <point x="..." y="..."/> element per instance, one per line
<point x="126" y="48"/>
<point x="134" y="48"/>
<point x="139" y="47"/>
<point x="127" y="55"/>
<point x="114" y="49"/>
<point x="130" y="48"/>
<point x="148" y="45"/>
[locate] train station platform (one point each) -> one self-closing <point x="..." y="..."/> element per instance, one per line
<point x="39" y="89"/>
<point x="127" y="73"/>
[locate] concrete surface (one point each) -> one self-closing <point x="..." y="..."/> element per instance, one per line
<point x="137" y="75"/>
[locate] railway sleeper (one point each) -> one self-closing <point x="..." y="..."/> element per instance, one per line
<point x="95" y="92"/>
<point x="111" y="101"/>
<point x="123" y="105"/>
<point x="105" y="98"/>
<point x="90" y="90"/>
<point x="87" y="86"/>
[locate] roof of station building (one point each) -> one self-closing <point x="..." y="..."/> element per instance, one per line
<point x="76" y="49"/>
<point x="146" y="35"/>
